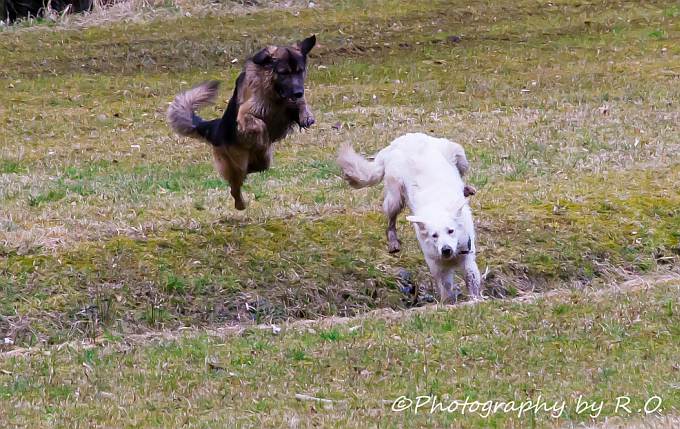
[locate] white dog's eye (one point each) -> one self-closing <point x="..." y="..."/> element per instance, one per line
<point x="435" y="235"/>
<point x="451" y="231"/>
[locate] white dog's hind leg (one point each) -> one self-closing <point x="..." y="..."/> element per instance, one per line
<point x="472" y="276"/>
<point x="455" y="154"/>
<point x="460" y="160"/>
<point x="456" y="157"/>
<point x="392" y="206"/>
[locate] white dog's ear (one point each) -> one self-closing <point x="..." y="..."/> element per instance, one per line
<point x="459" y="212"/>
<point x="418" y="221"/>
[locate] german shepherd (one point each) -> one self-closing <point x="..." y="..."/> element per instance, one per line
<point x="268" y="100"/>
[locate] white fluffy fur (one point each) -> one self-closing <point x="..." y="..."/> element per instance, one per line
<point x="424" y="172"/>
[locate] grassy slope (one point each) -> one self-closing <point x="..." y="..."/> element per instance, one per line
<point x="598" y="345"/>
<point x="108" y="222"/>
<point x="110" y="225"/>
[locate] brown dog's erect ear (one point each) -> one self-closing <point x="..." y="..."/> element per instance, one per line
<point x="307" y="44"/>
<point x="263" y="57"/>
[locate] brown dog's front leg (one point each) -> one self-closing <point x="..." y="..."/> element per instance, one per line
<point x="250" y="125"/>
<point x="305" y="117"/>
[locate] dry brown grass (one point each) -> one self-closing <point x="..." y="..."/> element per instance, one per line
<point x="107" y="12"/>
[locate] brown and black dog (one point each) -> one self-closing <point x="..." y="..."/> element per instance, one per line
<point x="268" y="101"/>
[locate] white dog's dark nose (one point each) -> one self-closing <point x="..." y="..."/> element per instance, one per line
<point x="447" y="251"/>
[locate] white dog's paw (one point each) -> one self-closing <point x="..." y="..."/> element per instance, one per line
<point x="451" y="297"/>
<point x="478" y="298"/>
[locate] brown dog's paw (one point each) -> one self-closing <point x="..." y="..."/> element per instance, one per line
<point x="239" y="205"/>
<point x="469" y="190"/>
<point x="306" y="119"/>
<point x="394" y="246"/>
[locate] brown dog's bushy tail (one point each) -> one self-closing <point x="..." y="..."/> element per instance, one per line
<point x="357" y="170"/>
<point x="182" y="115"/>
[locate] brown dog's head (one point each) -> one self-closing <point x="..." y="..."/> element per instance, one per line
<point x="288" y="67"/>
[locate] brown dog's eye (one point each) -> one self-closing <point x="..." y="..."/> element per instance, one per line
<point x="450" y="231"/>
<point x="435" y="235"/>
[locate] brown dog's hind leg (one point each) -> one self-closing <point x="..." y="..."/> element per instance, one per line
<point x="231" y="171"/>
<point x="239" y="170"/>
<point x="236" y="182"/>
<point x="392" y="206"/>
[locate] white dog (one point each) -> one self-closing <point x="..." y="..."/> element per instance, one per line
<point x="425" y="173"/>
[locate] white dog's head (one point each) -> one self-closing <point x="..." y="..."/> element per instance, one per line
<point x="442" y="235"/>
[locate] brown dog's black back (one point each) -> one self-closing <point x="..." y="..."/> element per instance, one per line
<point x="223" y="131"/>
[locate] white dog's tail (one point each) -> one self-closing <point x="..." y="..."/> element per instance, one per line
<point x="357" y="170"/>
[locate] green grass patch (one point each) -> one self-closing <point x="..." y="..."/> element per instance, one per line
<point x="47" y="197"/>
<point x="11" y="167"/>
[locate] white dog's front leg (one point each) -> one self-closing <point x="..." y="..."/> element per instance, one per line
<point x="449" y="291"/>
<point x="472" y="277"/>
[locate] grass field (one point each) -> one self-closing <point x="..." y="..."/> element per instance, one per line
<point x="113" y="228"/>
